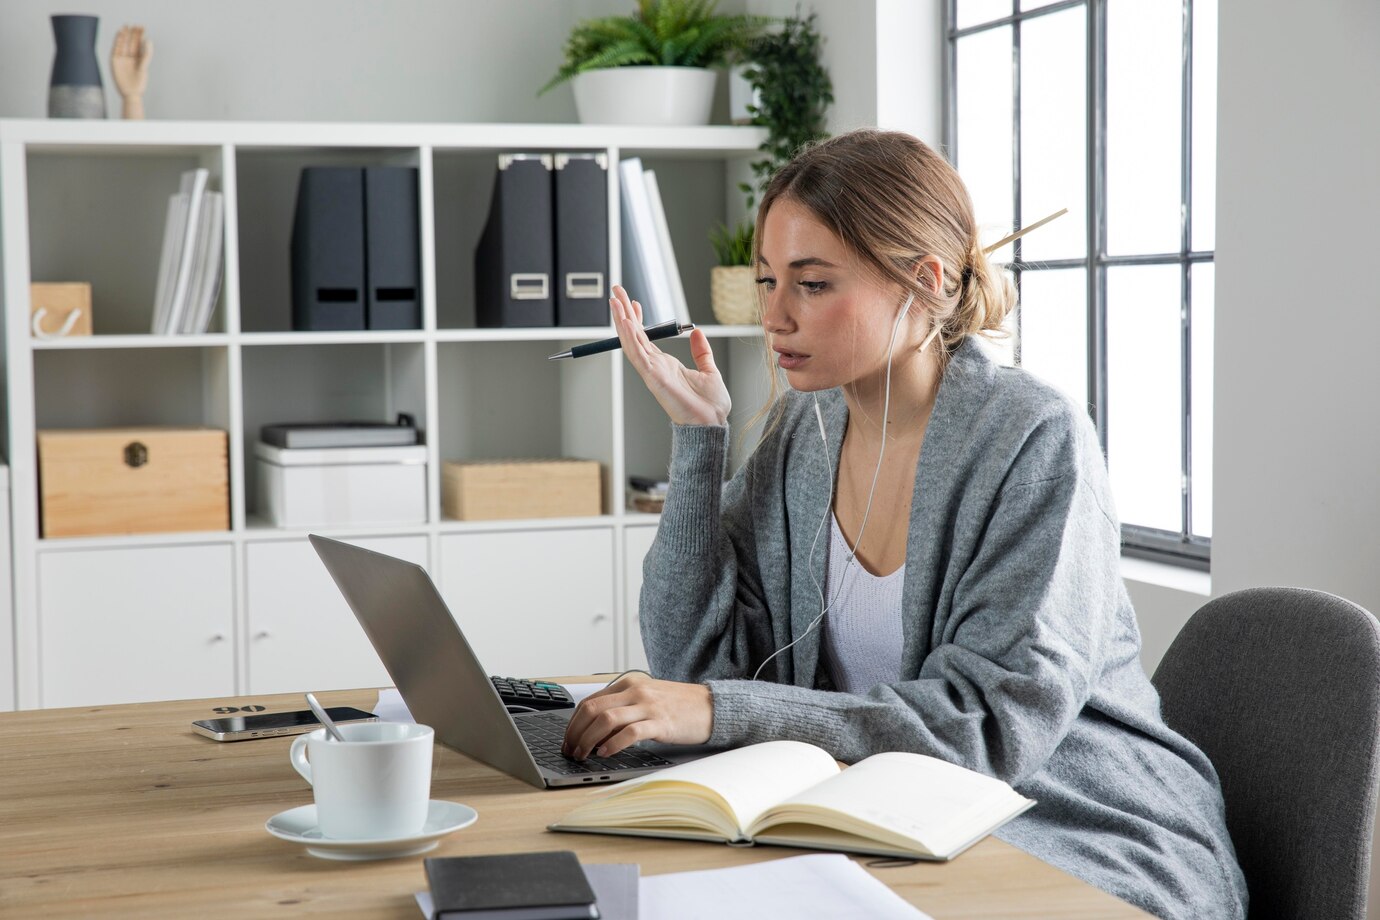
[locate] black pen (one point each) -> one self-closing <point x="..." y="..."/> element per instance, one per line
<point x="665" y="330"/>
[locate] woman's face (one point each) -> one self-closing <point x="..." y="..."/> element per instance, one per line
<point x="826" y="321"/>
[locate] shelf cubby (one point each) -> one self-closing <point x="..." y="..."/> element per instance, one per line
<point x="266" y="180"/>
<point x="693" y="195"/>
<point x="131" y="387"/>
<point x="463" y="182"/>
<point x="97" y="215"/>
<point x="327" y="382"/>
<point x="506" y="400"/>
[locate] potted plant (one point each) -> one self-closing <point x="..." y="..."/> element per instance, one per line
<point x="652" y="67"/>
<point x="792" y="93"/>
<point x="732" y="283"/>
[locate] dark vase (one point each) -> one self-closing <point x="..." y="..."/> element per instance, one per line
<point x="75" y="90"/>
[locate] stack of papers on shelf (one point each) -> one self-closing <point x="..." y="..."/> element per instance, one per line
<point x="650" y="273"/>
<point x="189" y="272"/>
<point x="647" y="494"/>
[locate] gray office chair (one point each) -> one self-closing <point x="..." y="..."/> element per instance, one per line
<point x="1280" y="687"/>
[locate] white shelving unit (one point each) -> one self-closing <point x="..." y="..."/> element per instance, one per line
<point x="121" y="618"/>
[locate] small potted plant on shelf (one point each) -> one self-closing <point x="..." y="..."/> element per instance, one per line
<point x="732" y="287"/>
<point x="792" y="93"/>
<point x="652" y="67"/>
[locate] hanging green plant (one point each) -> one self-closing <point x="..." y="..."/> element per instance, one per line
<point x="793" y="95"/>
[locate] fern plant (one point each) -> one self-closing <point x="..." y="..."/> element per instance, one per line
<point x="662" y="33"/>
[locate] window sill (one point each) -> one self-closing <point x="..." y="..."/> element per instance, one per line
<point x="1164" y="575"/>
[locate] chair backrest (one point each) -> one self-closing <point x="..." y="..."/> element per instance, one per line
<point x="1280" y="687"/>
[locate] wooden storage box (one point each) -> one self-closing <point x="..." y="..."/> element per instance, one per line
<point x="133" y="480"/>
<point x="52" y="305"/>
<point x="511" y="489"/>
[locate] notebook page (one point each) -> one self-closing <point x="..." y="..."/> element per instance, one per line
<point x="917" y="797"/>
<point x="749" y="779"/>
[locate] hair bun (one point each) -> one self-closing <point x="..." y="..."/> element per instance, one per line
<point x="986" y="297"/>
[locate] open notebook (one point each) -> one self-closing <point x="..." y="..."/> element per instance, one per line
<point x="794" y="794"/>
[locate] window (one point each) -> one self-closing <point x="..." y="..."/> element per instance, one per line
<point x="1107" y="108"/>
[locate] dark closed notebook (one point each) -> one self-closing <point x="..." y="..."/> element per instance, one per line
<point x="516" y="886"/>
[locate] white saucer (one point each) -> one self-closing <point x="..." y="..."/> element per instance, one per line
<point x="298" y="825"/>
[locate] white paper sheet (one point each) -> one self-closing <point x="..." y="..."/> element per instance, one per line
<point x="391" y="708"/>
<point x="822" y="887"/>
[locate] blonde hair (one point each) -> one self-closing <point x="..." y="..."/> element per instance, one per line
<point x="892" y="200"/>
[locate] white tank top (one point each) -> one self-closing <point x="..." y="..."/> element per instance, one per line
<point x="862" y="630"/>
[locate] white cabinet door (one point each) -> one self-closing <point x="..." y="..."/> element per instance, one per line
<point x="636" y="542"/>
<point x="127" y="625"/>
<point x="533" y="604"/>
<point x="302" y="634"/>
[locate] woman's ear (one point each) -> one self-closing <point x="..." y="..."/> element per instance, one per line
<point x="929" y="273"/>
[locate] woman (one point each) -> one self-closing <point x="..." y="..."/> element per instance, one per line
<point x="963" y="601"/>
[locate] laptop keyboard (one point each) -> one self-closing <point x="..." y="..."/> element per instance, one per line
<point x="544" y="732"/>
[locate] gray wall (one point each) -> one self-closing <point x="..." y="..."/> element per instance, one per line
<point x="1297" y="430"/>
<point x="318" y="60"/>
<point x="1297" y="462"/>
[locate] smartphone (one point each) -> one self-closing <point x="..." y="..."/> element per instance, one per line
<point x="272" y="724"/>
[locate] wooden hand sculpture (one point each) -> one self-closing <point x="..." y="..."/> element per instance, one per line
<point x="129" y="65"/>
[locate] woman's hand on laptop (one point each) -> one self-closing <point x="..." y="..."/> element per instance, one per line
<point x="639" y="708"/>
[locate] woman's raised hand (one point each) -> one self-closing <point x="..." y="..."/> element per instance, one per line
<point x="690" y="396"/>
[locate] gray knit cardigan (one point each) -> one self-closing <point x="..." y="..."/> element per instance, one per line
<point x="1021" y="655"/>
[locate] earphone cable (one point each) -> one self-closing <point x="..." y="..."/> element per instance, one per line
<point x="867" y="511"/>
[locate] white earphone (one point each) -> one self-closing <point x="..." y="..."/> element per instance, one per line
<point x="829" y="465"/>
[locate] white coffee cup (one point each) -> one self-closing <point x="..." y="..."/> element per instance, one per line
<point x="375" y="784"/>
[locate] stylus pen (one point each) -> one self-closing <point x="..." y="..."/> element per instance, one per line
<point x="666" y="330"/>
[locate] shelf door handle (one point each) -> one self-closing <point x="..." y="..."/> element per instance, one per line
<point x="261" y="634"/>
<point x="218" y="637"/>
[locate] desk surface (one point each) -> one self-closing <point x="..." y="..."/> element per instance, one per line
<point x="125" y="811"/>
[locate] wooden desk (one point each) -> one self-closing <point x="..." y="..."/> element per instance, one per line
<point x="125" y="811"/>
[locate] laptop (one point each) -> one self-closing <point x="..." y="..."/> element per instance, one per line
<point x="446" y="687"/>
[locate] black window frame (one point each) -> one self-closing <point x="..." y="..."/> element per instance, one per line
<point x="1182" y="548"/>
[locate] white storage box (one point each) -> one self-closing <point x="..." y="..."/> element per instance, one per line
<point x="342" y="485"/>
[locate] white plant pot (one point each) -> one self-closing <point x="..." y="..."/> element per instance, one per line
<point x="645" y="95"/>
<point x="741" y="95"/>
